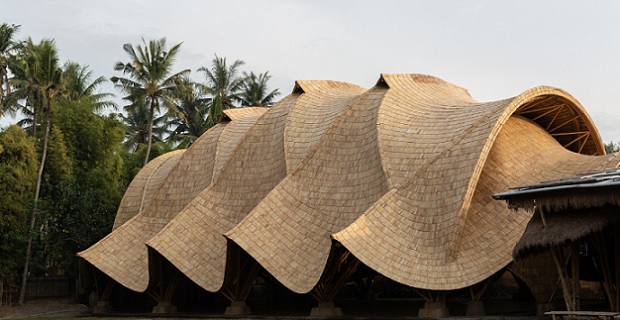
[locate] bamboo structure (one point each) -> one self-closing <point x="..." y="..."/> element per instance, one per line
<point x="568" y="212"/>
<point x="397" y="177"/>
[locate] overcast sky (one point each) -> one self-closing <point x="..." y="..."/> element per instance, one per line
<point x="494" y="49"/>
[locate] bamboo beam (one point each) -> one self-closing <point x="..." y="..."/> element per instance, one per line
<point x="583" y="142"/>
<point x="575" y="140"/>
<point x="575" y="277"/>
<point x="537" y="104"/>
<point x="564" y="123"/>
<point x="559" y="134"/>
<point x="553" y="119"/>
<point x="108" y="291"/>
<point x="603" y="256"/>
<point x="172" y="286"/>
<point x="561" y="267"/>
<point x="551" y="109"/>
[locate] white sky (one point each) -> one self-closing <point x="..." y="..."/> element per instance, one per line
<point x="495" y="49"/>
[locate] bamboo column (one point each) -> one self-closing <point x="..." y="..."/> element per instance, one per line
<point x="166" y="285"/>
<point x="570" y="283"/>
<point x="610" y="277"/>
<point x="103" y="286"/>
<point x="341" y="265"/>
<point x="241" y="271"/>
<point x="435" y="305"/>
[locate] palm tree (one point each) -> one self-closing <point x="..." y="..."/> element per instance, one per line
<point x="138" y="123"/>
<point x="37" y="80"/>
<point x="223" y="80"/>
<point x="254" y="91"/>
<point x="7" y="32"/>
<point x="150" y="75"/>
<point x="79" y="84"/>
<point x="190" y="114"/>
<point x="25" y="96"/>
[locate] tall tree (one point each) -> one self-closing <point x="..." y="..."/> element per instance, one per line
<point x="18" y="168"/>
<point x="223" y="81"/>
<point x="79" y="84"/>
<point x="7" y="44"/>
<point x="82" y="208"/>
<point x="139" y="126"/>
<point x="190" y="115"/>
<point x="26" y="96"/>
<point x="254" y="91"/>
<point x="150" y="75"/>
<point x="38" y="82"/>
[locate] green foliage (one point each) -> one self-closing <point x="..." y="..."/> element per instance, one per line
<point x="18" y="170"/>
<point x="81" y="210"/>
<point x="7" y="32"/>
<point x="223" y="80"/>
<point x="93" y="142"/>
<point x="612" y="147"/>
<point x="189" y="118"/>
<point x="150" y="78"/>
<point x="87" y="168"/>
<point x="79" y="84"/>
<point x="254" y="92"/>
<point x="215" y="111"/>
<point x="58" y="167"/>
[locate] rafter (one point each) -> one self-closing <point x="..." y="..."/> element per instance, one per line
<point x="551" y="109"/>
<point x="536" y="104"/>
<point x="582" y="136"/>
<point x="555" y="116"/>
<point x="564" y="123"/>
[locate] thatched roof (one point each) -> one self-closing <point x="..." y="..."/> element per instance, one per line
<point x="401" y="174"/>
<point x="582" y="191"/>
<point x="562" y="228"/>
<point x="573" y="207"/>
<point x="539" y="273"/>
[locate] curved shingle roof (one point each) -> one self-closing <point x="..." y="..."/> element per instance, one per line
<point x="400" y="174"/>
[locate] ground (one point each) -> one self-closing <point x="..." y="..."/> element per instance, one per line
<point x="44" y="308"/>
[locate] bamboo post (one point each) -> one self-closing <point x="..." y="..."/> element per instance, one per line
<point x="605" y="262"/>
<point x="561" y="267"/>
<point x="575" y="299"/>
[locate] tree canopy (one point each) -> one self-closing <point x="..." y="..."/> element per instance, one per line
<point x="70" y="155"/>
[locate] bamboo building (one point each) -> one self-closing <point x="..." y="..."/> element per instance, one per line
<point x="397" y="179"/>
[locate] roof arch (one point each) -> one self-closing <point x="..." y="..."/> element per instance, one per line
<point x="422" y="223"/>
<point x="563" y="117"/>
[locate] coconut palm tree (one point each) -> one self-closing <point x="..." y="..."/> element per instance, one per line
<point x="38" y="83"/>
<point x="7" y="32"/>
<point x="26" y="97"/>
<point x="223" y="80"/>
<point x="254" y="91"/>
<point x="190" y="115"/>
<point x="150" y="75"/>
<point x="138" y="123"/>
<point x="79" y="84"/>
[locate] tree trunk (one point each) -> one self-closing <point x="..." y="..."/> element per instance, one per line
<point x="22" y="292"/>
<point x="148" y="146"/>
<point x="1" y="291"/>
